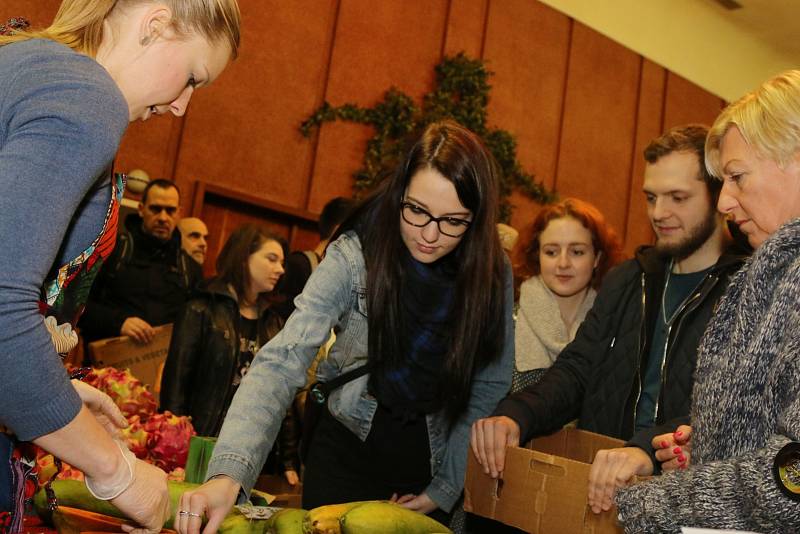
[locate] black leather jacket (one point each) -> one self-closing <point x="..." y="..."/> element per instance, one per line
<point x="597" y="378"/>
<point x="200" y="367"/>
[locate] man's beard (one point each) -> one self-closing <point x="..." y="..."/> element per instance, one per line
<point x="689" y="245"/>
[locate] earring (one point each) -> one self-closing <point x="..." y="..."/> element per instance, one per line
<point x="145" y="40"/>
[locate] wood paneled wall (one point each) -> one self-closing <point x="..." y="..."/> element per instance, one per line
<point x="581" y="106"/>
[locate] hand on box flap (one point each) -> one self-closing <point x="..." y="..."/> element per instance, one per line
<point x="613" y="469"/>
<point x="489" y="438"/>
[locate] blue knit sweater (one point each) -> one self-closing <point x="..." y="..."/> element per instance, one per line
<point x="61" y="121"/>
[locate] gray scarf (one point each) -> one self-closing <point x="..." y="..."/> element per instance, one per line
<point x="540" y="333"/>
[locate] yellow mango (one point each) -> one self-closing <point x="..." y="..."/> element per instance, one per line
<point x="388" y="518"/>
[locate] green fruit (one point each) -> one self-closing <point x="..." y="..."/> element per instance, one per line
<point x="286" y="521"/>
<point x="73" y="493"/>
<point x="325" y="519"/>
<point x="236" y="523"/>
<point x="388" y="518"/>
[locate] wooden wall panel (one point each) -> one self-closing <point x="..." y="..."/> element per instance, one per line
<point x="581" y="106"/>
<point x="685" y="102"/>
<point x="38" y="12"/>
<point x="637" y="229"/>
<point x="466" y="26"/>
<point x="594" y="161"/>
<point x="153" y="146"/>
<point x="529" y="79"/>
<point x="377" y="45"/>
<point x="243" y="131"/>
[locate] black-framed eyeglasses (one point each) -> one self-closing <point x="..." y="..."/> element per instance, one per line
<point x="449" y="226"/>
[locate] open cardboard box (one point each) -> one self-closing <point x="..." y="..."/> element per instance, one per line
<point x="544" y="486"/>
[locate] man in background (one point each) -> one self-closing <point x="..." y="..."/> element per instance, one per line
<point x="148" y="277"/>
<point x="194" y="238"/>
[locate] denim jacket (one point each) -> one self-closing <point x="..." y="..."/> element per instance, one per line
<point x="335" y="297"/>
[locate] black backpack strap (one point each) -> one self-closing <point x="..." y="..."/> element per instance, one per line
<point x="320" y="390"/>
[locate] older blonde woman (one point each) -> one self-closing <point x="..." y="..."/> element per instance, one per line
<point x="746" y="398"/>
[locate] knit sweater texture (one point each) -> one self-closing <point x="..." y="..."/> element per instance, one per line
<point x="746" y="407"/>
<point x="61" y="121"/>
<point x="540" y="333"/>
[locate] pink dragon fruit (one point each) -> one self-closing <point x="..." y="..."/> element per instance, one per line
<point x="136" y="437"/>
<point x="168" y="439"/>
<point x="127" y="391"/>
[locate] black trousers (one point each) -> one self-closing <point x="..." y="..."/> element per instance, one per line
<point x="395" y="458"/>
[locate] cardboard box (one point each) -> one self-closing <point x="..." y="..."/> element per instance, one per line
<point x="146" y="362"/>
<point x="544" y="486"/>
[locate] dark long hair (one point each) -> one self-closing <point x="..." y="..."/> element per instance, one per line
<point x="232" y="262"/>
<point x="478" y="318"/>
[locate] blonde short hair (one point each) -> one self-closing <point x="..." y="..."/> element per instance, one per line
<point x="78" y="24"/>
<point x="768" y="119"/>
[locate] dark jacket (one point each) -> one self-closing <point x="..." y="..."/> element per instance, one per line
<point x="144" y="277"/>
<point x="597" y="378"/>
<point x="203" y="355"/>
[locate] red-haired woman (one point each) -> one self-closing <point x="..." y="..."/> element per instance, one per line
<point x="570" y="250"/>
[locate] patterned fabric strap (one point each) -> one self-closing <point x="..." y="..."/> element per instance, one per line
<point x="14" y="24"/>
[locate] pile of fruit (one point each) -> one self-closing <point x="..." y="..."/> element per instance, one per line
<point x="159" y="438"/>
<point x="366" y="517"/>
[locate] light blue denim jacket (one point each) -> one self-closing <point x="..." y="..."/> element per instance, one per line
<point x="335" y="297"/>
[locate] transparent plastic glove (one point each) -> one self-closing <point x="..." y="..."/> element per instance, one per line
<point x="102" y="407"/>
<point x="146" y="500"/>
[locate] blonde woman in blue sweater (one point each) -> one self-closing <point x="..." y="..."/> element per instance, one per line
<point x="67" y="94"/>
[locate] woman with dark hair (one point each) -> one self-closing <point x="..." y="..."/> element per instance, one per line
<point x="570" y="249"/>
<point x="218" y="333"/>
<point x="420" y="268"/>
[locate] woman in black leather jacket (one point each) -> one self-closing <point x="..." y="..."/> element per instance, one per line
<point x="218" y="333"/>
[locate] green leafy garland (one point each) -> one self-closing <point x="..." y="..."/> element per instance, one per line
<point x="462" y="94"/>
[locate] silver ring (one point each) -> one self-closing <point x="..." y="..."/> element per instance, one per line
<point x="192" y="514"/>
<point x="183" y="512"/>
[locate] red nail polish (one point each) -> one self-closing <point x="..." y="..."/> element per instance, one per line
<point x="678" y="434"/>
<point x="664" y="444"/>
<point x="676" y="450"/>
<point x="681" y="458"/>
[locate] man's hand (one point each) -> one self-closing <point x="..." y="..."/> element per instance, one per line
<point x="489" y="438"/>
<point x="137" y="329"/>
<point x="612" y="469"/>
<point x="674" y="450"/>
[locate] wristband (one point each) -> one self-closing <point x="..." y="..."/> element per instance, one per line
<point x="123" y="481"/>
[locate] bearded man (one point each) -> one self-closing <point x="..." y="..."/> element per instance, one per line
<point x="630" y="367"/>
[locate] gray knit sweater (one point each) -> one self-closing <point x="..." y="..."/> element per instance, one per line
<point x="746" y="406"/>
